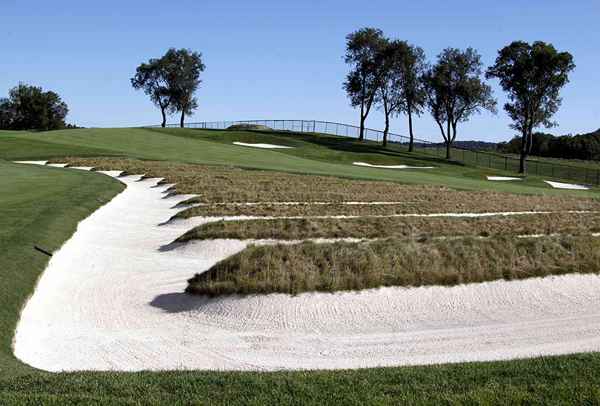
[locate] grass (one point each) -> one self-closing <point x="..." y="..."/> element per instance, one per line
<point x="218" y="184"/>
<point x="43" y="206"/>
<point x="398" y="227"/>
<point x="330" y="267"/>
<point x="331" y="157"/>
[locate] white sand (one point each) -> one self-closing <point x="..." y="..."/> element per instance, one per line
<point x="111" y="300"/>
<point x="391" y="166"/>
<point x="58" y="165"/>
<point x="264" y="146"/>
<point x="501" y="178"/>
<point x="571" y="186"/>
<point x="32" y="162"/>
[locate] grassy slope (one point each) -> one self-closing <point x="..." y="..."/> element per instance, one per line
<point x="38" y="206"/>
<point x="42" y="205"/>
<point x="209" y="147"/>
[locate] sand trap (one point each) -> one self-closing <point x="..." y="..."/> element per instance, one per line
<point x="32" y="162"/>
<point x="570" y="186"/>
<point x="110" y="299"/>
<point x="391" y="166"/>
<point x="501" y="178"/>
<point x="264" y="146"/>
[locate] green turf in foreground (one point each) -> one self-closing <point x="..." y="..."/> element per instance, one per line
<point x="42" y="205"/>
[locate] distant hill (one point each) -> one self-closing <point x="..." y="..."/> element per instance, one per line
<point x="579" y="146"/>
<point x="473" y="145"/>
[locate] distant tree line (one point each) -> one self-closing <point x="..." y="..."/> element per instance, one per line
<point x="394" y="76"/>
<point x="31" y="108"/>
<point x="580" y="146"/>
<point x="171" y="81"/>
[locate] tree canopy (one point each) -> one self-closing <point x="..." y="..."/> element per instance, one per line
<point x="455" y="91"/>
<point x="171" y="81"/>
<point x="30" y="108"/>
<point x="364" y="52"/>
<point x="532" y="75"/>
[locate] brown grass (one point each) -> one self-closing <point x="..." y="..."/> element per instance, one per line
<point x="352" y="266"/>
<point x="217" y="184"/>
<point x="399" y="227"/>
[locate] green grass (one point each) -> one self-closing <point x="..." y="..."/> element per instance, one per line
<point x="42" y="206"/>
<point x="321" y="155"/>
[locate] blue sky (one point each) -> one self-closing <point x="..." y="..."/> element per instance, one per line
<point x="277" y="59"/>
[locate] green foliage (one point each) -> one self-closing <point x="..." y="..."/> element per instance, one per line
<point x="455" y="91"/>
<point x="532" y="75"/>
<point x="171" y="81"/>
<point x="30" y="108"/>
<point x="364" y="52"/>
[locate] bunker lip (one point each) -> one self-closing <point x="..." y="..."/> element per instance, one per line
<point x="365" y="164"/>
<point x="261" y="145"/>
<point x="569" y="186"/>
<point x="111" y="300"/>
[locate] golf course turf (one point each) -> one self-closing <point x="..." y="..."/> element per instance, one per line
<point x="41" y="206"/>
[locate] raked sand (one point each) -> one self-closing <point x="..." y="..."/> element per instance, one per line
<point x="111" y="299"/>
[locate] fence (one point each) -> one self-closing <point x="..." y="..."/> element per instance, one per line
<point x="466" y="156"/>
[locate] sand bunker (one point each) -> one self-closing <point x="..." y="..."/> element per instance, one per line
<point x="111" y="299"/>
<point x="264" y="146"/>
<point x="391" y="166"/>
<point x="570" y="186"/>
<point x="501" y="178"/>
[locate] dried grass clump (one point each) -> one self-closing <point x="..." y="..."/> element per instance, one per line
<point x="343" y="266"/>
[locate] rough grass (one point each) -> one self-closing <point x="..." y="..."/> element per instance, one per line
<point x="400" y="227"/>
<point x="247" y="127"/>
<point x="219" y="185"/>
<point x="340" y="266"/>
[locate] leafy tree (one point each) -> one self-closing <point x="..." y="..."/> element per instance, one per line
<point x="391" y="98"/>
<point x="412" y="88"/>
<point x="364" y="52"/>
<point x="30" y="108"/>
<point x="152" y="78"/>
<point x="455" y="91"/>
<point x="183" y="69"/>
<point x="532" y="75"/>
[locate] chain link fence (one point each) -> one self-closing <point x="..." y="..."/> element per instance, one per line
<point x="486" y="159"/>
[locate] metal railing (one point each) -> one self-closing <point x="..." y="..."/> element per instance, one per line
<point x="486" y="159"/>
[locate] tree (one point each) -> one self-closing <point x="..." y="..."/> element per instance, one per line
<point x="455" y="91"/>
<point x="183" y="76"/>
<point x="152" y="78"/>
<point x="364" y="53"/>
<point x="30" y="108"/>
<point x="391" y="99"/>
<point x="412" y="88"/>
<point x="532" y="75"/>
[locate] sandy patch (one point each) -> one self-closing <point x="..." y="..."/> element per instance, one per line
<point x="501" y="178"/>
<point x="391" y="166"/>
<point x="264" y="146"/>
<point x="31" y="162"/>
<point x="111" y="299"/>
<point x="570" y="186"/>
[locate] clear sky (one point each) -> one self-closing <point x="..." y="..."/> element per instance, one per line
<point x="277" y="59"/>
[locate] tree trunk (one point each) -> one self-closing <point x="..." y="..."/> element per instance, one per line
<point x="164" y="118"/>
<point x="411" y="143"/>
<point x="448" y="140"/>
<point x="448" y="150"/>
<point x="386" y="130"/>
<point x="181" y="122"/>
<point x="524" y="152"/>
<point x="361" y="136"/>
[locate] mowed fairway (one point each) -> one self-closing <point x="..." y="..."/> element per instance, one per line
<point x="48" y="202"/>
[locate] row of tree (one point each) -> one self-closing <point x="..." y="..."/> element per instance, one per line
<point x="32" y="108"/>
<point x="395" y="77"/>
<point x="580" y="146"/>
<point x="171" y="81"/>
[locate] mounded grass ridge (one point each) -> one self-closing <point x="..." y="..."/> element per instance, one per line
<point x="340" y="266"/>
